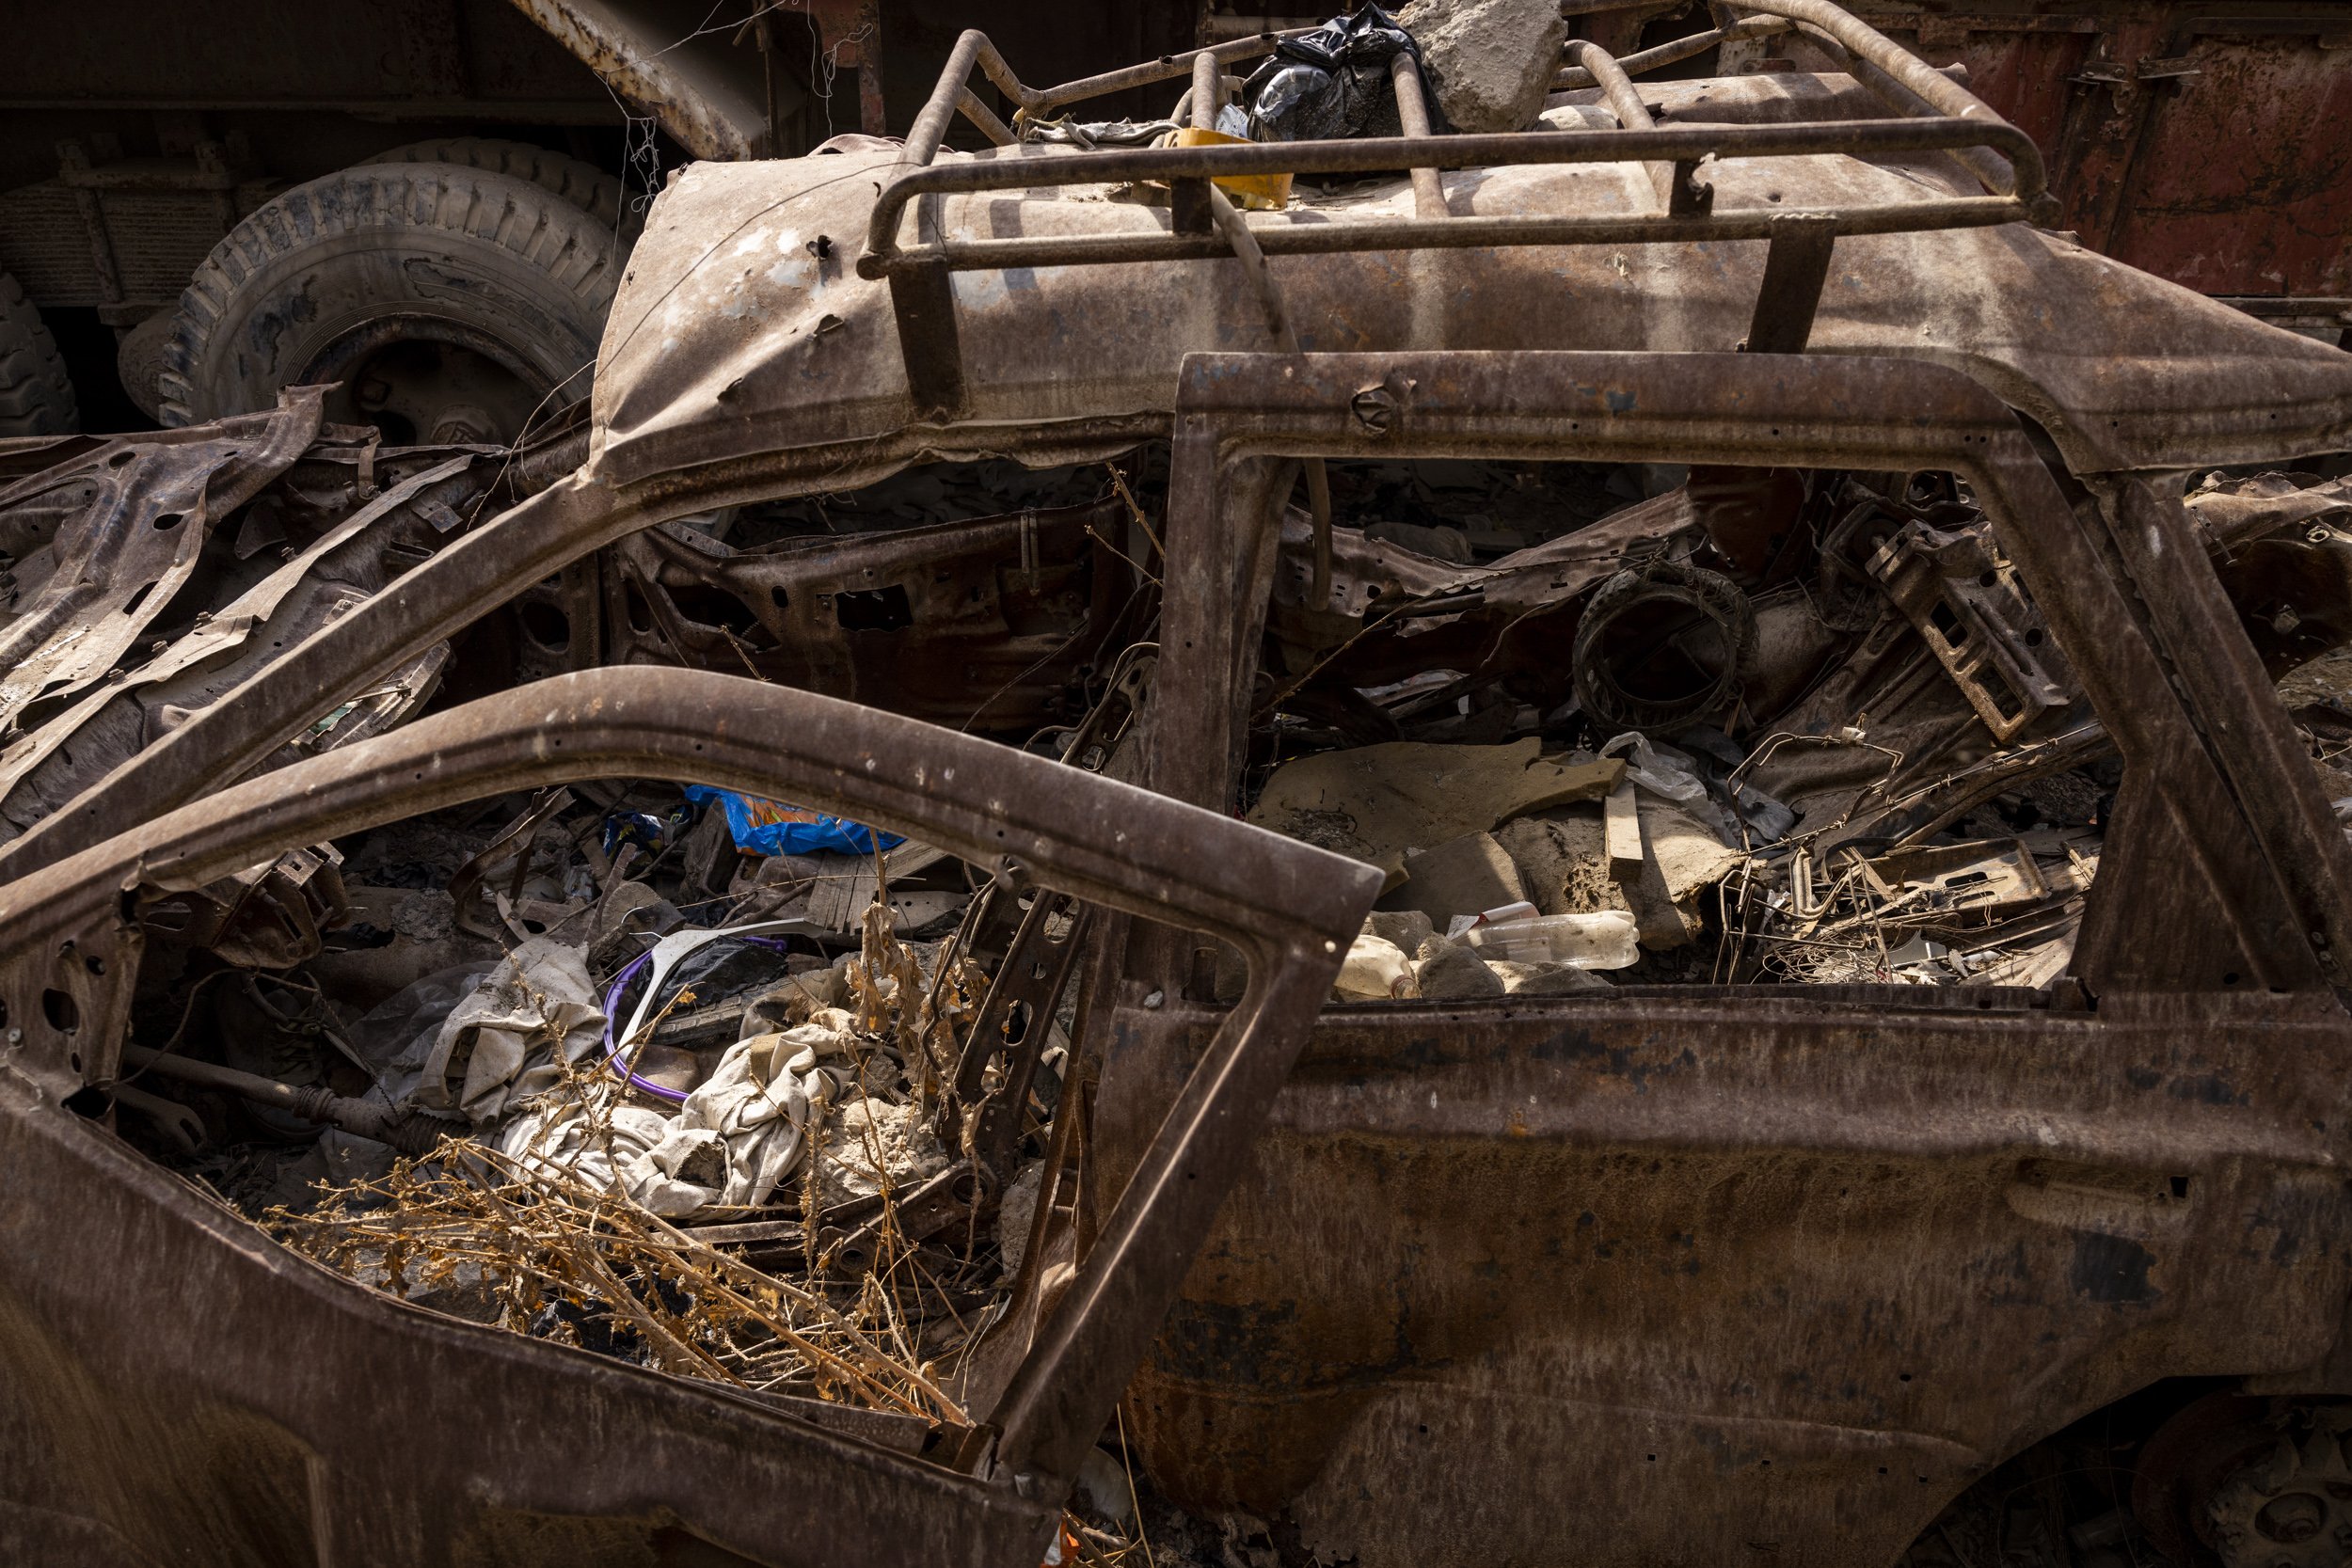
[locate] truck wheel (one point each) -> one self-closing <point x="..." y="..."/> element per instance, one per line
<point x="449" y="302"/>
<point x="36" y="398"/>
<point x="581" y="183"/>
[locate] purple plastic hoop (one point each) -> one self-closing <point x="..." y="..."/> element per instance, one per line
<point x="611" y="1002"/>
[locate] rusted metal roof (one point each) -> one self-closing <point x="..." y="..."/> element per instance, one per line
<point x="744" y="329"/>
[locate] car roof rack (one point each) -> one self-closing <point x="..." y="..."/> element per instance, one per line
<point x="1931" y="113"/>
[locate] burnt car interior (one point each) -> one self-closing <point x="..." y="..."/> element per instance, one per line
<point x="1765" y="919"/>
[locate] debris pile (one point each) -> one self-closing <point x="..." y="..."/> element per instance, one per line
<point x="736" y="1212"/>
<point x="1781" y="725"/>
<point x="1810" y="727"/>
<point x="686" y="1076"/>
<point x="724" y="1087"/>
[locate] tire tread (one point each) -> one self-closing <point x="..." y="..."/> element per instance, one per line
<point x="36" y="394"/>
<point x="438" y="193"/>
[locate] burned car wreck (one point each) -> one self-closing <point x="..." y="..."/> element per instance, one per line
<point x="1780" y="977"/>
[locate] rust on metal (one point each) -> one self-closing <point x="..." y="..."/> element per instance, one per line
<point x="1399" y="1296"/>
<point x="459" y="1400"/>
<point x="1722" y="1263"/>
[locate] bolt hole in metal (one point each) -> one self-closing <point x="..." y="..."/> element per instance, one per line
<point x="63" y="1013"/>
<point x="419" y="379"/>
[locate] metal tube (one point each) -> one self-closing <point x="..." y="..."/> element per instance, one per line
<point x="968" y="104"/>
<point x="363" y="1119"/>
<point x="1625" y="102"/>
<point x="1572" y="78"/>
<point x="1167" y="68"/>
<point x="2026" y="177"/>
<point x="995" y="66"/>
<point x="1188" y="198"/>
<point x="1237" y="234"/>
<point x="1977" y="212"/>
<point x="262" y="1091"/>
<point x="1994" y="174"/>
<point x="1671" y="143"/>
<point x="1412" y="113"/>
<point x="525" y="544"/>
<point x="1208" y="90"/>
<point x="923" y="136"/>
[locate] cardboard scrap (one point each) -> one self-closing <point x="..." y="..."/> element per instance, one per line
<point x="1463" y="875"/>
<point x="1565" y="858"/>
<point x="1380" y="804"/>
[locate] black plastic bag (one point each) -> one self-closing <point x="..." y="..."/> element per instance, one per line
<point x="1332" y="82"/>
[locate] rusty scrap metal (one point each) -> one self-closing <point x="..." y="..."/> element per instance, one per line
<point x="935" y="621"/>
<point x="1381" y="1310"/>
<point x="1755" y="1250"/>
<point x="68" y="955"/>
<point x="354" y="541"/>
<point x="885" y="257"/>
<point x="365" y="1119"/>
<point x="134" y="541"/>
<point x="692" y="86"/>
<point x="2215" y="777"/>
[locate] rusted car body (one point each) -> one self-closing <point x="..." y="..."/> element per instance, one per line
<point x="1817" y="1261"/>
<point x="1744" y="1274"/>
<point x="180" y="1390"/>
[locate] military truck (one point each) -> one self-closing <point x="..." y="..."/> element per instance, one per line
<point x="427" y="201"/>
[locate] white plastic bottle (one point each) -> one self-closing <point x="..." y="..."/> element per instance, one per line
<point x="1601" y="941"/>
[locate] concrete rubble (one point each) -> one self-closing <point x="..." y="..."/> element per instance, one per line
<point x="1486" y="61"/>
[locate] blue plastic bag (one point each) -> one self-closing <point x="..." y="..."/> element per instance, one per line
<point x="766" y="826"/>
<point x="648" y="832"/>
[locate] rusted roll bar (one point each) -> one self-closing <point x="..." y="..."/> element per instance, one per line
<point x="1937" y="116"/>
<point x="1678" y="192"/>
<point x="1412" y="113"/>
<point x="1889" y="72"/>
<point x="885" y="258"/>
<point x="1675" y="51"/>
<point x="1609" y="75"/>
<point x="972" y="49"/>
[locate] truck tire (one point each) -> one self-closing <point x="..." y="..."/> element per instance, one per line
<point x="581" y="183"/>
<point x="36" y="398"/>
<point x="449" y="302"/>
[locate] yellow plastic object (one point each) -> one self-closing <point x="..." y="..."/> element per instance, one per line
<point x="1257" y="193"/>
